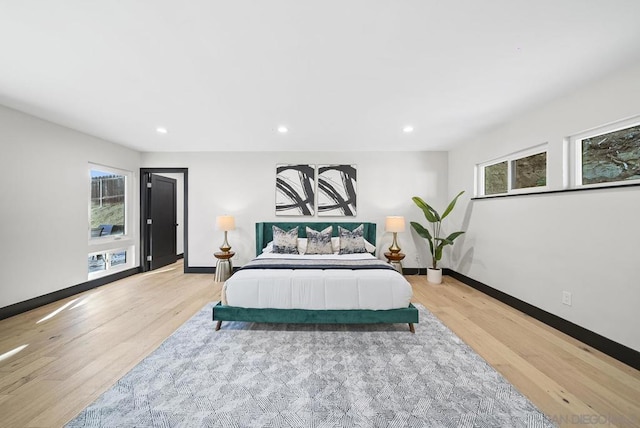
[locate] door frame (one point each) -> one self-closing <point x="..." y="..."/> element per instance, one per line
<point x="144" y="211"/>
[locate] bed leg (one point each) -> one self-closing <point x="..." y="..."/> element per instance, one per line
<point x="411" y="328"/>
<point x="218" y="325"/>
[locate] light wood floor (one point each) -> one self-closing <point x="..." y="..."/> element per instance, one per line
<point x="61" y="364"/>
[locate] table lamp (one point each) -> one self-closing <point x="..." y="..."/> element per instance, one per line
<point x="394" y="224"/>
<point x="226" y="223"/>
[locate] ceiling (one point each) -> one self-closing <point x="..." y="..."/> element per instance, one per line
<point x="340" y="75"/>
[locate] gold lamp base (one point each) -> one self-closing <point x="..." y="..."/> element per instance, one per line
<point x="225" y="247"/>
<point x="394" y="249"/>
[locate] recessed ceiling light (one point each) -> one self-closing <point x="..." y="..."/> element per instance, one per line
<point x="407" y="129"/>
<point x="283" y="129"/>
<point x="161" y="130"/>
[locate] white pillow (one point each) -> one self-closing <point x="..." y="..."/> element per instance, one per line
<point x="302" y="246"/>
<point x="369" y="246"/>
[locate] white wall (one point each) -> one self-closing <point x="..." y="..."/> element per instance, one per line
<point x="534" y="247"/>
<point x="243" y="184"/>
<point x="44" y="213"/>
<point x="44" y="233"/>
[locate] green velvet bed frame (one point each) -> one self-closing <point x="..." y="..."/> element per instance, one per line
<point x="264" y="235"/>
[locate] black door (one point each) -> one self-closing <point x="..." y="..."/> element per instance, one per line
<point x="161" y="222"/>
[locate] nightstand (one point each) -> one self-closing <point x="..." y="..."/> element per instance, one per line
<point x="224" y="267"/>
<point x="395" y="259"/>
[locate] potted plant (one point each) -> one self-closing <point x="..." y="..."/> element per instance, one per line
<point x="436" y="242"/>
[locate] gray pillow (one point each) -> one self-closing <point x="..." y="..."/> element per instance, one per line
<point x="319" y="242"/>
<point x="285" y="242"/>
<point x="352" y="242"/>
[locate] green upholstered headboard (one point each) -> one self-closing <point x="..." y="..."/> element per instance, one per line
<point x="264" y="231"/>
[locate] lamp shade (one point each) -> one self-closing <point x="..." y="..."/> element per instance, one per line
<point x="394" y="223"/>
<point x="225" y="222"/>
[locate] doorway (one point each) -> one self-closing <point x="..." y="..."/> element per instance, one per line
<point x="163" y="217"/>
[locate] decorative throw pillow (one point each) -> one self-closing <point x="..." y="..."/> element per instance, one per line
<point x="285" y="242"/>
<point x="352" y="242"/>
<point x="319" y="242"/>
<point x="335" y="243"/>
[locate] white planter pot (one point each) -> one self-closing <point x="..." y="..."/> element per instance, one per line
<point x="434" y="276"/>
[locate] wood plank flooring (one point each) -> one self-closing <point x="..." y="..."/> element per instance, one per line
<point x="62" y="363"/>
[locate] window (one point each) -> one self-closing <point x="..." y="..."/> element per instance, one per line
<point x="609" y="154"/>
<point x="524" y="171"/>
<point x="530" y="171"/>
<point x="108" y="203"/>
<point x="495" y="178"/>
<point x="106" y="262"/>
<point x="111" y="246"/>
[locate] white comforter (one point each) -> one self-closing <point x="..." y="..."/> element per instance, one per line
<point x="317" y="289"/>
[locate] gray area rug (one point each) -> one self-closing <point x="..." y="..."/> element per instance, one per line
<point x="273" y="375"/>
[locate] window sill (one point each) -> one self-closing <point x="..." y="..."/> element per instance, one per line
<point x="108" y="242"/>
<point x="549" y="192"/>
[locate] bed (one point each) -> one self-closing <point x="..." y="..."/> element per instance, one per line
<point x="319" y="288"/>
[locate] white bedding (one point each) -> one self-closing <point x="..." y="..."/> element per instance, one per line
<point x="375" y="289"/>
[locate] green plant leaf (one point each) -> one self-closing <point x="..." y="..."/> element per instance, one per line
<point x="452" y="204"/>
<point x="430" y="214"/>
<point x="453" y="236"/>
<point x="422" y="231"/>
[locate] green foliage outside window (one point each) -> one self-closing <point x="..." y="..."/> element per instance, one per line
<point x="614" y="156"/>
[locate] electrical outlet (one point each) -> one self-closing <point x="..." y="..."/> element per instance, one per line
<point x="566" y="298"/>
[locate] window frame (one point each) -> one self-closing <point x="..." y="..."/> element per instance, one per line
<point x="482" y="178"/>
<point x="109" y="244"/>
<point x="575" y="154"/>
<point x="510" y="159"/>
<point x="128" y="175"/>
<point x="109" y="269"/>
